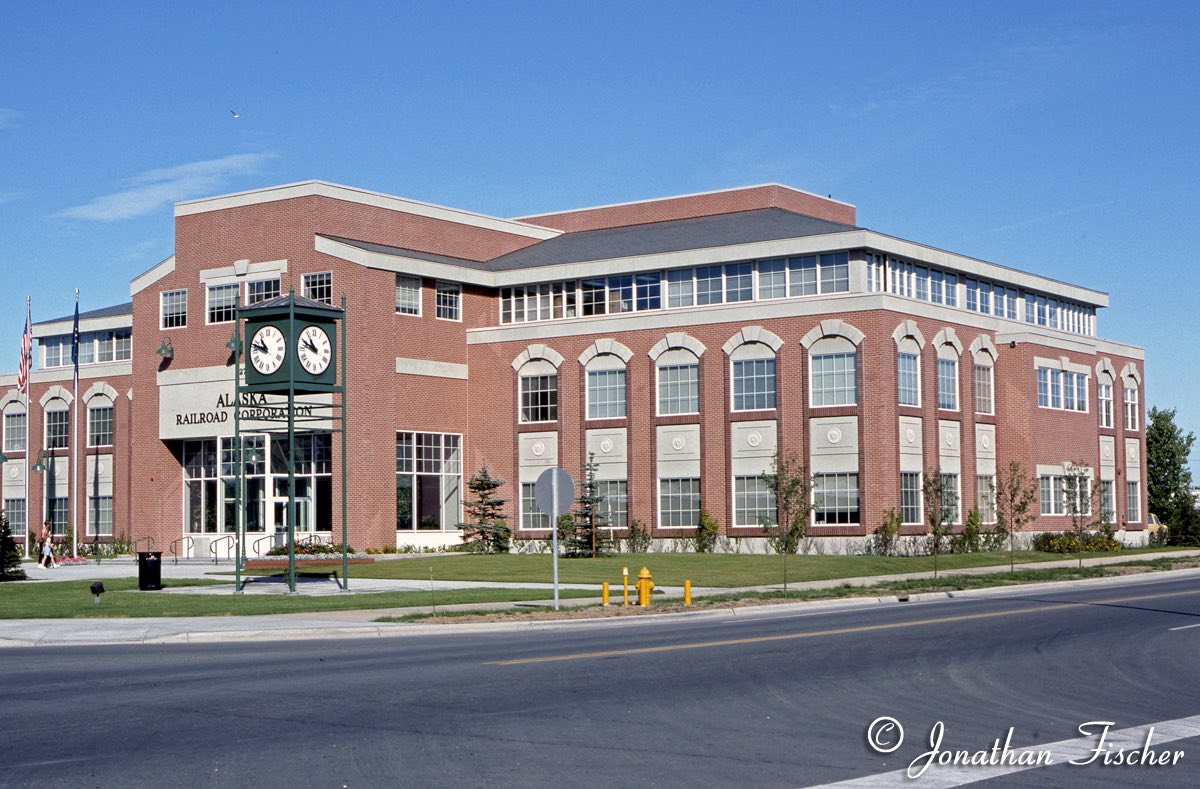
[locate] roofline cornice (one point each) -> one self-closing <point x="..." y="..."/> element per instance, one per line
<point x="771" y="185"/>
<point x="362" y="197"/>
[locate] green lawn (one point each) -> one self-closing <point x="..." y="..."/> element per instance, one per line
<point x="67" y="599"/>
<point x="671" y="569"/>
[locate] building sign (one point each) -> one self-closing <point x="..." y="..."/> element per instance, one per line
<point x="198" y="403"/>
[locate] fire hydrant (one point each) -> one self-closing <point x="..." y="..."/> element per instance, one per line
<point x="644" y="584"/>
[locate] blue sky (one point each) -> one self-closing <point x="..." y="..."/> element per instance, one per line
<point x="1058" y="138"/>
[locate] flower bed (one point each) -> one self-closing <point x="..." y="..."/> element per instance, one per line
<point x="280" y="562"/>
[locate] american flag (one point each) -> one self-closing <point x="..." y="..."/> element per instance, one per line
<point x="26" y="355"/>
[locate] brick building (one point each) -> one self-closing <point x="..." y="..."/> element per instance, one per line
<point x="682" y="341"/>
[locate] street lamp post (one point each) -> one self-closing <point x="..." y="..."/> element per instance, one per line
<point x="40" y="467"/>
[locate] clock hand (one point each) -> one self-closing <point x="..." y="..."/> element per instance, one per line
<point x="310" y="345"/>
<point x="258" y="345"/>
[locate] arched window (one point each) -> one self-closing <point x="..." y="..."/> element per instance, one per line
<point x="983" y="351"/>
<point x="605" y="363"/>
<point x="677" y="368"/>
<point x="752" y="361"/>
<point x="537" y="375"/>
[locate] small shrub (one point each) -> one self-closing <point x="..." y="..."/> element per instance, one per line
<point x="884" y="542"/>
<point x="1068" y="542"/>
<point x="707" y="533"/>
<point x="312" y="549"/>
<point x="639" y="537"/>
<point x="968" y="540"/>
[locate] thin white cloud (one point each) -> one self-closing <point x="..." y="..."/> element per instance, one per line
<point x="9" y="118"/>
<point x="1075" y="209"/>
<point x="154" y="189"/>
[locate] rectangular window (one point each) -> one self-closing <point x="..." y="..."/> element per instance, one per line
<point x="950" y="498"/>
<point x="408" y="295"/>
<point x="951" y="289"/>
<point x="835" y="499"/>
<point x="539" y="398"/>
<point x="100" y="426"/>
<point x="922" y="283"/>
<point x="428" y="481"/>
<point x="318" y="287"/>
<point x="1104" y="394"/>
<point x="972" y="289"/>
<point x="1059" y="496"/>
<point x="124" y="345"/>
<point x="984" y="404"/>
<point x="680" y="287"/>
<point x="935" y="286"/>
<point x="835" y="379"/>
<point x="985" y="489"/>
<point x="1108" y="501"/>
<point x="753" y="502"/>
<point x="262" y="290"/>
<point x="1133" y="506"/>
<point x="223" y="302"/>
<point x="18" y="520"/>
<point x="1061" y="389"/>
<point x="910" y="497"/>
<point x="57" y="514"/>
<point x="648" y="291"/>
<point x="678" y="389"/>
<point x="615" y="504"/>
<point x="449" y="301"/>
<point x="532" y="516"/>
<point x="1131" y="408"/>
<point x="606" y="394"/>
<point x="87" y="348"/>
<point x="620" y="295"/>
<point x="16" y="432"/>
<point x="908" y="379"/>
<point x="739" y="282"/>
<point x="753" y="384"/>
<point x="105" y="346"/>
<point x="709" y="288"/>
<point x="679" y="503"/>
<point x="173" y="306"/>
<point x="594" y="297"/>
<point x="835" y="273"/>
<point x="947" y="384"/>
<point x="100" y="516"/>
<point x="1055" y="388"/>
<point x="57" y="429"/>
<point x="772" y="279"/>
<point x="802" y="276"/>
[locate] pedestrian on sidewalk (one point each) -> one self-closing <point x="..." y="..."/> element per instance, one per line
<point x="44" y="545"/>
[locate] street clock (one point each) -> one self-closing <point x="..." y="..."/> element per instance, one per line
<point x="290" y="342"/>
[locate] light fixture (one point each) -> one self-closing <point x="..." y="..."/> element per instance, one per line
<point x="3" y="458"/>
<point x="97" y="589"/>
<point x="234" y="344"/>
<point x="39" y="466"/>
<point x="166" y="350"/>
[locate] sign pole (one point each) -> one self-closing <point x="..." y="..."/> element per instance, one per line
<point x="554" y="536"/>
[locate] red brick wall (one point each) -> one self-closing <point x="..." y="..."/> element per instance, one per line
<point x="729" y="201"/>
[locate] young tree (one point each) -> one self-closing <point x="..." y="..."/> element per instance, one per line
<point x="1015" y="494"/>
<point x="488" y="531"/>
<point x="1081" y="497"/>
<point x="791" y="485"/>
<point x="1168" y="477"/>
<point x="588" y="536"/>
<point x="941" y="510"/>
<point x="10" y="557"/>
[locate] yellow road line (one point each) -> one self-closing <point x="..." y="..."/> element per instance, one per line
<point x="831" y="632"/>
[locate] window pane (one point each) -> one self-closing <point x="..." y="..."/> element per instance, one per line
<point x="649" y="291"/>
<point x="408" y="295"/>
<point x="606" y="394"/>
<point x="318" y="287"/>
<point x="835" y="499"/>
<point x="263" y="290"/>
<point x="449" y="295"/>
<point x="223" y="302"/>
<point x="532" y="516"/>
<point x="709" y="285"/>
<point x="983" y="390"/>
<point x="539" y="398"/>
<point x="679" y="389"/>
<point x="679" y="503"/>
<point x="753" y="384"/>
<point x="835" y="273"/>
<point x="680" y="287"/>
<point x="835" y="379"/>
<point x="174" y="308"/>
<point x="772" y="279"/>
<point x="100" y="426"/>
<point x="947" y="383"/>
<point x="908" y="379"/>
<point x="754" y="502"/>
<point x="15" y="432"/>
<point x="802" y="273"/>
<point x="739" y="282"/>
<point x="910" y="497"/>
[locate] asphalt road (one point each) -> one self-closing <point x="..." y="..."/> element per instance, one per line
<point x="767" y="699"/>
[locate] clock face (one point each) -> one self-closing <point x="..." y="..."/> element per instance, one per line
<point x="268" y="349"/>
<point x="314" y="350"/>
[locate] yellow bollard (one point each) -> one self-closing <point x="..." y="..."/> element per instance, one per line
<point x="644" y="585"/>
<point x="604" y="594"/>
<point x="687" y="592"/>
<point x="625" y="578"/>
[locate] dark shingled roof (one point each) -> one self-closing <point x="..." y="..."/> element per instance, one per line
<point x="103" y="312"/>
<point x="767" y="224"/>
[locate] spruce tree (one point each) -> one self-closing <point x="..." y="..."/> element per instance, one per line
<point x="488" y="531"/>
<point x="10" y="557"/>
<point x="589" y="536"/>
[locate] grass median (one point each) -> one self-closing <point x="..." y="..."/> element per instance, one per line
<point x="72" y="599"/>
<point x="901" y="588"/>
<point x="671" y="569"/>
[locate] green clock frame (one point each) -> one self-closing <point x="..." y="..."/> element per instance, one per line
<point x="291" y="343"/>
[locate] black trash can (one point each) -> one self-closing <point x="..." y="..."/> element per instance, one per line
<point x="149" y="570"/>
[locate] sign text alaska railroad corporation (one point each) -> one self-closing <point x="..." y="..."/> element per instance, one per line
<point x="254" y="406"/>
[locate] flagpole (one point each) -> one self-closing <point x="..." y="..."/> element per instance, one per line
<point x="27" y="366"/>
<point x="75" y="434"/>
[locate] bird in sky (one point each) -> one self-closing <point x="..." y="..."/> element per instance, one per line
<point x="234" y="114"/>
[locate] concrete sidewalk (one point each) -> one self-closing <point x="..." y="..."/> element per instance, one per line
<point x="360" y="623"/>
